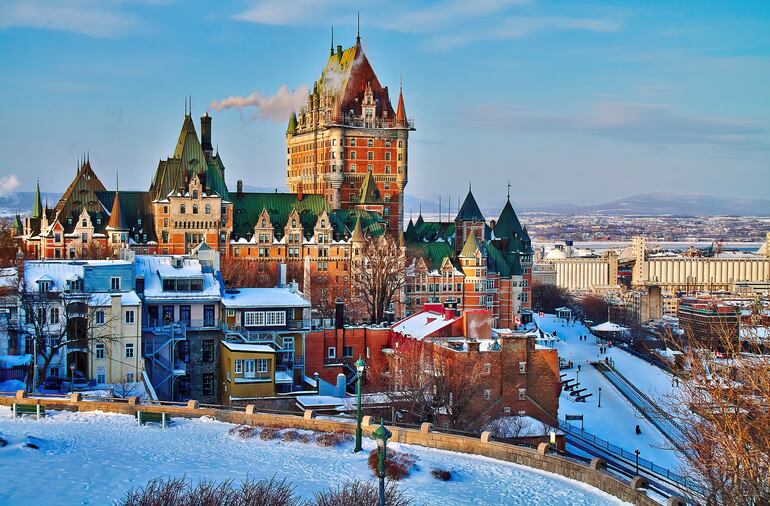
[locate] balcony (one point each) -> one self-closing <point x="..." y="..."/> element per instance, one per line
<point x="191" y="324"/>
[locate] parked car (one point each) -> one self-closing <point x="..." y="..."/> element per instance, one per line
<point x="79" y="384"/>
<point x="52" y="383"/>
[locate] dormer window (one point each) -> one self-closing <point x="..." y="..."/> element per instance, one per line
<point x="323" y="223"/>
<point x="195" y="208"/>
<point x="293" y="223"/>
<point x="44" y="286"/>
<point x="264" y="223"/>
<point x="85" y="223"/>
<point x="195" y="194"/>
<point x="69" y="221"/>
<point x="182" y="209"/>
<point x="208" y="209"/>
<point x="139" y="221"/>
<point x="98" y="221"/>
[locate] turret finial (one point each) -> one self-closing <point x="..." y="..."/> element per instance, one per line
<point x="358" y="28"/>
<point x="331" y="48"/>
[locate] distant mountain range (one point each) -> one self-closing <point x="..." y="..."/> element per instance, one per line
<point x="647" y="204"/>
<point x="665" y="204"/>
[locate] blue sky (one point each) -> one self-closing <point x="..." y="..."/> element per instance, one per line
<point x="571" y="101"/>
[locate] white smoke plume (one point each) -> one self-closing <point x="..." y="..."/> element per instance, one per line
<point x="8" y="184"/>
<point x="274" y="107"/>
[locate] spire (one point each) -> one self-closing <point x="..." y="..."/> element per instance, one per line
<point x="471" y="246"/>
<point x="509" y="190"/>
<point x="469" y="211"/>
<point x="331" y="48"/>
<point x="290" y="129"/>
<point x="358" y="234"/>
<point x="401" y="109"/>
<point x="37" y="206"/>
<point x="358" y="29"/>
<point x="116" y="215"/>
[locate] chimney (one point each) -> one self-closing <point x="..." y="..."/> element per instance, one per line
<point x="339" y="314"/>
<point x="339" y="49"/>
<point x="473" y="345"/>
<point x="239" y="188"/>
<point x="282" y="275"/>
<point x="568" y="247"/>
<point x="206" y="135"/>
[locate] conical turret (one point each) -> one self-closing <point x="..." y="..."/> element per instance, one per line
<point x="401" y="109"/>
<point x="37" y="206"/>
<point x="117" y="222"/>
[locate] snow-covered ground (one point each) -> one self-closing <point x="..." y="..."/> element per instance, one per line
<point x="94" y="458"/>
<point x="617" y="419"/>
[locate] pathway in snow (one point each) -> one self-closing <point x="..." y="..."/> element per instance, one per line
<point x="93" y="458"/>
<point x="617" y="419"/>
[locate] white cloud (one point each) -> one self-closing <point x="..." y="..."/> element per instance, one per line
<point x="275" y="107"/>
<point x="95" y="18"/>
<point x="8" y="184"/>
<point x="646" y="123"/>
<point x="445" y="23"/>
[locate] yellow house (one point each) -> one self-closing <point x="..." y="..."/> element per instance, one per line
<point x="246" y="371"/>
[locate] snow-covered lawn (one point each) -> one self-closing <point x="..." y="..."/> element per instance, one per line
<point x="616" y="420"/>
<point x="93" y="458"/>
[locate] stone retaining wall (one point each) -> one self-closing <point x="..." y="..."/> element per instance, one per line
<point x="593" y="475"/>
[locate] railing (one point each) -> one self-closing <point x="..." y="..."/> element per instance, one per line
<point x="630" y="457"/>
<point x="191" y="324"/>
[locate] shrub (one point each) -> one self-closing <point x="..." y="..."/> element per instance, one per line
<point x="295" y="435"/>
<point x="397" y="464"/>
<point x="333" y="438"/>
<point x="269" y="433"/>
<point x="181" y="492"/>
<point x="441" y="474"/>
<point x="359" y="493"/>
<point x="243" y="431"/>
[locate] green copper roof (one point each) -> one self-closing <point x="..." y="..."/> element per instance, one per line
<point x="369" y="192"/>
<point x="410" y="235"/>
<point x="433" y="252"/>
<point x="136" y="213"/>
<point x="433" y="230"/>
<point x="469" y="211"/>
<point x="37" y="206"/>
<point x="292" y="123"/>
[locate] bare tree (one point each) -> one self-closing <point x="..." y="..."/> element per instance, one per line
<point x="429" y="382"/>
<point x="94" y="250"/>
<point x="517" y="426"/>
<point x="379" y="274"/>
<point x="722" y="407"/>
<point x="58" y="322"/>
<point x="547" y="297"/>
<point x="242" y="272"/>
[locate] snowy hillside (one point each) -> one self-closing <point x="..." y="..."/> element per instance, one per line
<point x="93" y="458"/>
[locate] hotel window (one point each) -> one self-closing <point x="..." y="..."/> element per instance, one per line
<point x="370" y="155"/>
<point x="352" y="155"/>
<point x="239" y="366"/>
<point x="522" y="368"/>
<point x="130" y="316"/>
<point x="487" y="394"/>
<point x="208" y="208"/>
<point x="115" y="284"/>
<point x="54" y="315"/>
<point x="400" y="144"/>
<point x="347" y="351"/>
<point x="387" y="143"/>
<point x="487" y="368"/>
<point x="522" y="394"/>
<point x="352" y="142"/>
<point x="100" y="351"/>
<point x="182" y="209"/>
<point x="370" y="143"/>
<point x="387" y="169"/>
<point x="400" y="157"/>
<point x="331" y="352"/>
<point x="129" y="350"/>
<point x="195" y="208"/>
<point x="387" y="155"/>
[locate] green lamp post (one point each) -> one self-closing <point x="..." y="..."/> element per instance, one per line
<point x="381" y="435"/>
<point x="360" y="367"/>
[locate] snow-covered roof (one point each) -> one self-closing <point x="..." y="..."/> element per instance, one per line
<point x="423" y="324"/>
<point x="154" y="268"/>
<point x="60" y="271"/>
<point x="255" y="348"/>
<point x="608" y="327"/>
<point x="105" y="299"/>
<point x="263" y="297"/>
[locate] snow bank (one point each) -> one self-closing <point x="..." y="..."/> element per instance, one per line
<point x="93" y="458"/>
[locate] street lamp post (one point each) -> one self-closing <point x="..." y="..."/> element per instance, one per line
<point x="381" y="435"/>
<point x="72" y="376"/>
<point x="637" y="461"/>
<point x="360" y="367"/>
<point x="600" y="397"/>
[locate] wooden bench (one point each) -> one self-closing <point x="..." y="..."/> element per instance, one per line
<point x="143" y="417"/>
<point x="27" y="409"/>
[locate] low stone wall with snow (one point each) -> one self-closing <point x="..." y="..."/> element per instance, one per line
<point x="592" y="475"/>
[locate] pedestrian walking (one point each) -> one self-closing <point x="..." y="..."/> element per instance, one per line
<point x="638" y="430"/>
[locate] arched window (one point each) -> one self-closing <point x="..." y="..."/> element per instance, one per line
<point x="181" y="209"/>
<point x="370" y="143"/>
<point x="195" y="208"/>
<point x="293" y="223"/>
<point x="208" y="209"/>
<point x="323" y="223"/>
<point x="195" y="194"/>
